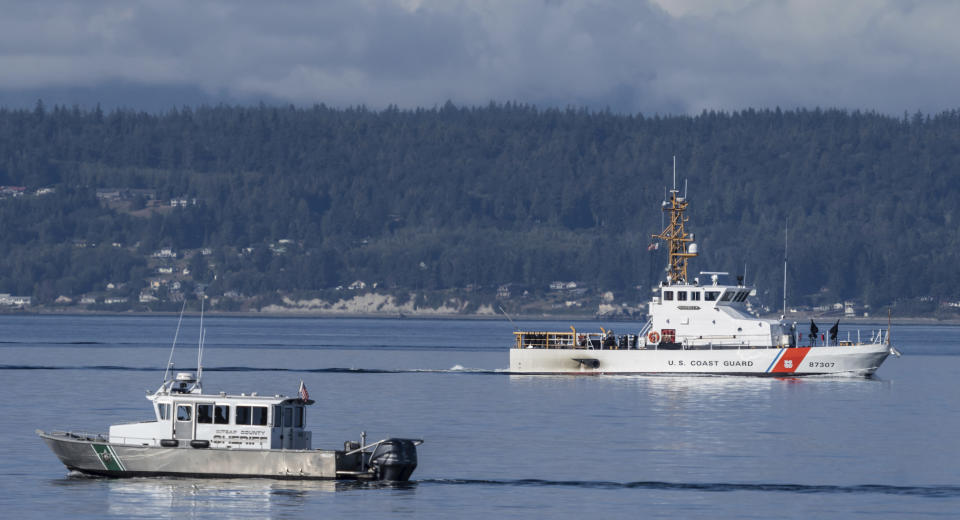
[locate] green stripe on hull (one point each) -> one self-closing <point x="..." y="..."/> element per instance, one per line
<point x="108" y="457"/>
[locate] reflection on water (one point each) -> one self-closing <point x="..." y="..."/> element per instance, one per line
<point x="230" y="498"/>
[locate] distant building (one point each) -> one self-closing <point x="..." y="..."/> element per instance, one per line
<point x="182" y="202"/>
<point x="15" y="301"/>
<point x="165" y="253"/>
<point x="108" y="194"/>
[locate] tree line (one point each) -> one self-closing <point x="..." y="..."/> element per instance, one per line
<point x="450" y="197"/>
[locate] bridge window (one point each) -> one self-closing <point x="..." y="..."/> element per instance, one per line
<point x="667" y="296"/>
<point x="277" y="418"/>
<point x="711" y="296"/>
<point x="163" y="410"/>
<point x="255" y="415"/>
<point x="726" y="296"/>
<point x="205" y="413"/>
<point x="287" y="417"/>
<point x="695" y="296"/>
<point x="298" y="417"/>
<point x="260" y="415"/>
<point x="222" y="414"/>
<point x="682" y="296"/>
<point x="742" y="296"/>
<point x="183" y="412"/>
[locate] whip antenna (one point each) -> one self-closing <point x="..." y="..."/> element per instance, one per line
<point x="508" y="317"/>
<point x="177" y="334"/>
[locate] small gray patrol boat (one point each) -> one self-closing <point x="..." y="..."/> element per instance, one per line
<point x="227" y="436"/>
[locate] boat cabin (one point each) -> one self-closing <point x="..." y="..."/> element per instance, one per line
<point x="710" y="316"/>
<point x="185" y="416"/>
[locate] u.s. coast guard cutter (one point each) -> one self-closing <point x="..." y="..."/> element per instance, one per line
<point x="194" y="434"/>
<point x="697" y="327"/>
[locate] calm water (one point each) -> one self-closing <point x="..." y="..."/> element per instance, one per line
<point x="496" y="445"/>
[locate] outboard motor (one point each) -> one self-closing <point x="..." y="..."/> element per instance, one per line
<point x="395" y="459"/>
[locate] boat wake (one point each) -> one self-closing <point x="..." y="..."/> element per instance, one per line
<point x="456" y="369"/>
<point x="920" y="491"/>
<point x="294" y="346"/>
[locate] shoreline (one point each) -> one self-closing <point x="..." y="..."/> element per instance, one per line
<point x="431" y="315"/>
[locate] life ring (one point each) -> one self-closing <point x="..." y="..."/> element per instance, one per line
<point x="654" y="337"/>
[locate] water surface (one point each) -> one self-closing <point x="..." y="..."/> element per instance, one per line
<point x="496" y="444"/>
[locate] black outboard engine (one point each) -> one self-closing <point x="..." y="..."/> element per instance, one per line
<point x="395" y="459"/>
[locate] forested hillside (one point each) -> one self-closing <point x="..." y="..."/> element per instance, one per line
<point x="290" y="201"/>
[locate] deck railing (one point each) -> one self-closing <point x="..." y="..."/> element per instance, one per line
<point x="606" y="340"/>
<point x="584" y="340"/>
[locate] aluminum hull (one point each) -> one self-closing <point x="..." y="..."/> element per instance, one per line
<point x="857" y="360"/>
<point x="95" y="456"/>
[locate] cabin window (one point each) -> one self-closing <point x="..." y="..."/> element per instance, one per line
<point x="260" y="415"/>
<point x="183" y="412"/>
<point x="667" y="295"/>
<point x="277" y="419"/>
<point x="711" y="296"/>
<point x="205" y="413"/>
<point x="682" y="296"/>
<point x="255" y="415"/>
<point x="695" y="296"/>
<point x="221" y="414"/>
<point x="287" y="417"/>
<point x="163" y="410"/>
<point x="298" y="422"/>
<point x="742" y="296"/>
<point x="726" y="296"/>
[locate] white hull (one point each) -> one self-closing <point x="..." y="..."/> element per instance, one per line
<point x="860" y="360"/>
<point x="94" y="455"/>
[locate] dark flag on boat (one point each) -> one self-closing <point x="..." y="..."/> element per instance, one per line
<point x="813" y="330"/>
<point x="304" y="395"/>
<point x="834" y="331"/>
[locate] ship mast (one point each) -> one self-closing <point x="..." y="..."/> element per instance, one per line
<point x="675" y="236"/>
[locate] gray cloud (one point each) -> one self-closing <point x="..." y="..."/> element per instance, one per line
<point x="629" y="55"/>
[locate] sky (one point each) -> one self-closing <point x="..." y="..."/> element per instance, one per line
<point x="629" y="56"/>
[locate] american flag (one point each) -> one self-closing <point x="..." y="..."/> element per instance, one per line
<point x="304" y="395"/>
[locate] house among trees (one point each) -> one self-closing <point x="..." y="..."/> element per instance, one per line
<point x="15" y="301"/>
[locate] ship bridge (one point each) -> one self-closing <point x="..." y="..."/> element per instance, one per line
<point x="684" y="315"/>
